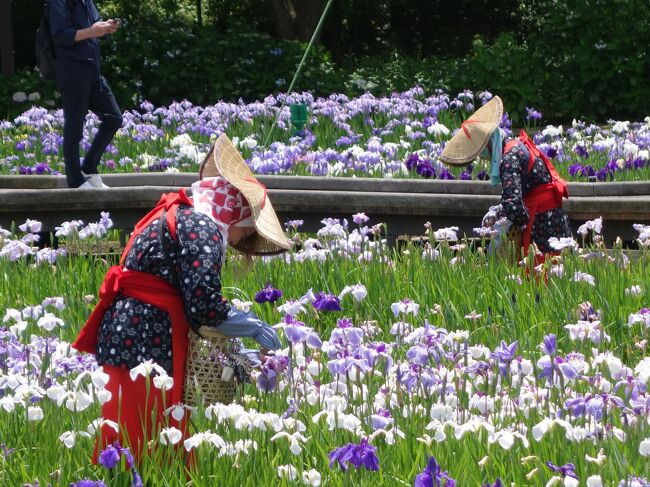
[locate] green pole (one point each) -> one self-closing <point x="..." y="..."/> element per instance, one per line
<point x="302" y="62"/>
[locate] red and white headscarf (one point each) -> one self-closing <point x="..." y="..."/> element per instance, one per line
<point x="221" y="201"/>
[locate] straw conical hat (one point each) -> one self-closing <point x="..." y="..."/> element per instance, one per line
<point x="474" y="134"/>
<point x="225" y="160"/>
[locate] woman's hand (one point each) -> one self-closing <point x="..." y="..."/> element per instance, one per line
<point x="103" y="28"/>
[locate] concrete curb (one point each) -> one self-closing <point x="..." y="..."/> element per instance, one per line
<point x="403" y="204"/>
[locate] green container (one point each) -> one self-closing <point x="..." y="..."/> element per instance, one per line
<point x="298" y="116"/>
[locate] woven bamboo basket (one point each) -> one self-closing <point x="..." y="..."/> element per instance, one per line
<point x="205" y="366"/>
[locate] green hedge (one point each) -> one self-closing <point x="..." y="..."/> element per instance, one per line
<point x="568" y="58"/>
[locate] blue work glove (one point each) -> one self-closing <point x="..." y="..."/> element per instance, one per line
<point x="241" y="324"/>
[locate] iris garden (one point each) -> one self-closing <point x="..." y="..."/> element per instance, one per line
<point x="431" y="364"/>
<point x="434" y="364"/>
<point x="396" y="136"/>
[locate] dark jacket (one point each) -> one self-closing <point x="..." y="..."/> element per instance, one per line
<point x="66" y="18"/>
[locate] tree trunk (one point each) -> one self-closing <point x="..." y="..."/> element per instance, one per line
<point x="283" y="16"/>
<point x="308" y="14"/>
<point x="296" y="19"/>
<point x="6" y="39"/>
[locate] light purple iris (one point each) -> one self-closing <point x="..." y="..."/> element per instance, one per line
<point x="347" y="336"/>
<point x="532" y="114"/>
<point x="418" y="355"/>
<point x="505" y="352"/>
<point x="567" y="470"/>
<point x="297" y="332"/>
<point x="381" y="419"/>
<point x="267" y="379"/>
<point x="556" y="365"/>
<point x="549" y="345"/>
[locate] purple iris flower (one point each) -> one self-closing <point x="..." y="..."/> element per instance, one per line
<point x="555" y="365"/>
<point x="498" y="483"/>
<point x="343" y="141"/>
<point x="551" y="152"/>
<point x="418" y="355"/>
<point x="327" y="302"/>
<point x="433" y="476"/>
<point x="297" y="332"/>
<point x="88" y="483"/>
<point x="576" y="169"/>
<point x="581" y="151"/>
<point x="382" y="419"/>
<point x="361" y="455"/>
<point x="634" y="482"/>
<point x="588" y="171"/>
<point x="482" y="176"/>
<point x="412" y="162"/>
<point x="505" y="352"/>
<point x="425" y="169"/>
<point x="576" y="406"/>
<point x="268" y="294"/>
<point x="343" y="365"/>
<point x="347" y="336"/>
<point x="549" y="345"/>
<point x="137" y="480"/>
<point x="567" y="470"/>
<point x="6" y="451"/>
<point x="445" y="174"/>
<point x="479" y="368"/>
<point x="596" y="405"/>
<point x="267" y="379"/>
<point x="109" y="457"/>
<point x="344" y="323"/>
<point x="633" y="387"/>
<point x="532" y="114"/>
<point x="603" y="173"/>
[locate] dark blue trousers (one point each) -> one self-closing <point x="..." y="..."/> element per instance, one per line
<point x="84" y="88"/>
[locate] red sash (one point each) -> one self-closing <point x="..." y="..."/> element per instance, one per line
<point x="544" y="197"/>
<point x="146" y="288"/>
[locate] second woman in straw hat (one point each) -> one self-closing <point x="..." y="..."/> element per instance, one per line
<point x="168" y="282"/>
<point x="532" y="191"/>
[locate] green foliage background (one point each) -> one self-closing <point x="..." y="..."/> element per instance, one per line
<point x="568" y="58"/>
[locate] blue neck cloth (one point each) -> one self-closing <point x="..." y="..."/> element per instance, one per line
<point x="495" y="157"/>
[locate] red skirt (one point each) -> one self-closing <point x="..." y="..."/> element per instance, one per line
<point x="138" y="409"/>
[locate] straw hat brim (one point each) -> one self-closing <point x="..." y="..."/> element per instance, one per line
<point x="474" y="134"/>
<point x="225" y="160"/>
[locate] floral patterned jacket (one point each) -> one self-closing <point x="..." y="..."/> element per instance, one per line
<point x="516" y="183"/>
<point x="131" y="331"/>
